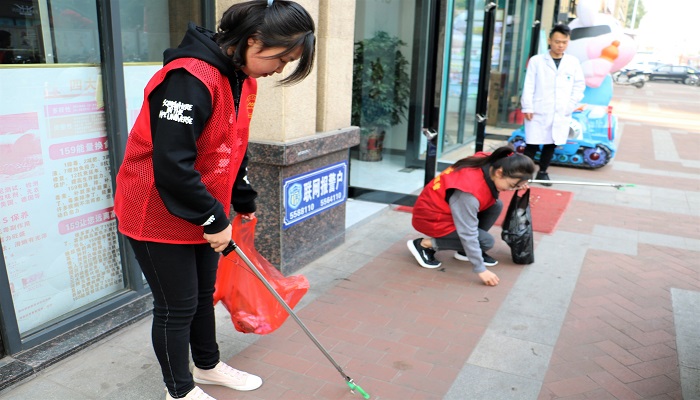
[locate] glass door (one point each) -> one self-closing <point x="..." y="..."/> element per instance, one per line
<point x="461" y="67"/>
<point x="514" y="23"/>
<point x="384" y="77"/>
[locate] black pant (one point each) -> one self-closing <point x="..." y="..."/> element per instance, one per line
<point x="545" y="155"/>
<point x="487" y="219"/>
<point x="182" y="279"/>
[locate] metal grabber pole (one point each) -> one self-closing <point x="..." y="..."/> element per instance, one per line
<point x="620" y="186"/>
<point x="232" y="246"/>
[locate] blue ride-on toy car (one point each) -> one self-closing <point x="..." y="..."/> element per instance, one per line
<point x="591" y="142"/>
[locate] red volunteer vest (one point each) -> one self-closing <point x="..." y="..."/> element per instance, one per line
<point x="220" y="151"/>
<point x="431" y="213"/>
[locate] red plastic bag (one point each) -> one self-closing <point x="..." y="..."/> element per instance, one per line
<point x="252" y="307"/>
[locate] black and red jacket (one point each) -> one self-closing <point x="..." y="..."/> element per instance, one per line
<point x="185" y="160"/>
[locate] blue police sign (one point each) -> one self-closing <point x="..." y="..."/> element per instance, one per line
<point x="309" y="194"/>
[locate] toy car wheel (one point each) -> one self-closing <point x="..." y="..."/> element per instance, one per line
<point x="519" y="144"/>
<point x="596" y="157"/>
<point x="577" y="158"/>
<point x="562" y="158"/>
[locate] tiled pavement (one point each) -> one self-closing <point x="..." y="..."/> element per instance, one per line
<point x="609" y="310"/>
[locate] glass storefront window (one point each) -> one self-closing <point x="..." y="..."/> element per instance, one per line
<point x="57" y="227"/>
<point x="516" y="37"/>
<point x="147" y="29"/>
<point x="48" y="32"/>
<point x="464" y="60"/>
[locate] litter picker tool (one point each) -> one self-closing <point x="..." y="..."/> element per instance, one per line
<point x="232" y="246"/>
<point x="619" y="186"/>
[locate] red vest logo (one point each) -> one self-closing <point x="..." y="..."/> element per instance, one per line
<point x="250" y="104"/>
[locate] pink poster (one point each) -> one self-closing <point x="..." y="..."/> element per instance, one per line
<point x="20" y="146"/>
<point x="57" y="228"/>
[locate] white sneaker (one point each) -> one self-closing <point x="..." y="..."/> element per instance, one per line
<point x="224" y="375"/>
<point x="194" y="394"/>
<point x="461" y="256"/>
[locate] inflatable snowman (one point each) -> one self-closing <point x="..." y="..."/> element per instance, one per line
<point x="602" y="47"/>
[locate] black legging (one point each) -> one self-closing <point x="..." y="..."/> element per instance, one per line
<point x="182" y="279"/>
<point x="545" y="156"/>
<point x="487" y="219"/>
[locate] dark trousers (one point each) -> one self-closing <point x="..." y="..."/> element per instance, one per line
<point x="182" y="279"/>
<point x="487" y="219"/>
<point x="545" y="155"/>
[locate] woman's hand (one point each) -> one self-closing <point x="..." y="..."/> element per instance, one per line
<point x="218" y="241"/>
<point x="247" y="216"/>
<point x="523" y="185"/>
<point x="489" y="278"/>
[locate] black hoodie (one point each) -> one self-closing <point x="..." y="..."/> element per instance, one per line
<point x="175" y="144"/>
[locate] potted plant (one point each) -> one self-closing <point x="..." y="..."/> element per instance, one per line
<point x="380" y="90"/>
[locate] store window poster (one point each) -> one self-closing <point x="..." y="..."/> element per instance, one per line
<point x="57" y="225"/>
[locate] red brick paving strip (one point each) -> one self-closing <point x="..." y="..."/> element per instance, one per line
<point x="400" y="331"/>
<point x="622" y="308"/>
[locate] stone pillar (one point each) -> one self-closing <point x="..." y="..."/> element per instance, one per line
<point x="290" y="248"/>
<point x="304" y="128"/>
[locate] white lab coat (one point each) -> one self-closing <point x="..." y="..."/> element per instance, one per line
<point x="551" y="94"/>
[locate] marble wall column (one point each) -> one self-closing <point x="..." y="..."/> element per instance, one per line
<point x="303" y="128"/>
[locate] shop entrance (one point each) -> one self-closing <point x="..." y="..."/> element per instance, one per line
<point x="433" y="88"/>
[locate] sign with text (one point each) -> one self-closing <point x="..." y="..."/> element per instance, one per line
<point x="309" y="194"/>
<point x="58" y="231"/>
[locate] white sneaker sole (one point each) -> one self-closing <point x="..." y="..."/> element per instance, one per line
<point x="418" y="258"/>
<point x="461" y="257"/>
<point x="256" y="383"/>
<point x="465" y="258"/>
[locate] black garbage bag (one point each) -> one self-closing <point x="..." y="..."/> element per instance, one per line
<point x="517" y="229"/>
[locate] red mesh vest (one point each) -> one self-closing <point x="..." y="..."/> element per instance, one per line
<point x="431" y="213"/>
<point x="220" y="150"/>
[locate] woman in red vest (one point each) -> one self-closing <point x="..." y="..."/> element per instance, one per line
<point x="458" y="207"/>
<point x="185" y="166"/>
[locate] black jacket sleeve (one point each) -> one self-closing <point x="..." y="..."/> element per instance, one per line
<point x="180" y="107"/>
<point x="243" y="196"/>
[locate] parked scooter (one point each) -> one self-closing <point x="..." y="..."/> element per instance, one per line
<point x="632" y="77"/>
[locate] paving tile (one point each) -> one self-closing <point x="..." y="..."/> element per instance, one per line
<point x="654" y="352"/>
<point x="662" y="366"/>
<point x="476" y="382"/>
<point x="612" y="385"/>
<point x="40" y="389"/>
<point x="599" y="394"/>
<point x="102" y="380"/>
<point x="572" y="386"/>
<point x="569" y="370"/>
<point x="288" y="362"/>
<point x="512" y="356"/>
<point x="654" y="386"/>
<point x="620" y="371"/>
<point x="690" y="383"/>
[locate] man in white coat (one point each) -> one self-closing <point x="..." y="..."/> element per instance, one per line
<point x="554" y="84"/>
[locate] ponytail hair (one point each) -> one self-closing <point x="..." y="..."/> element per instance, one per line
<point x="514" y="164"/>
